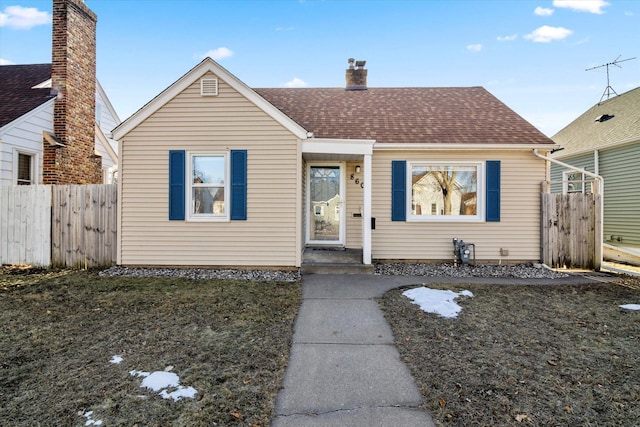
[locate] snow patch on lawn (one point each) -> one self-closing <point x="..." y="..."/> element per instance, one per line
<point x="116" y="359"/>
<point x="163" y="381"/>
<point x="631" y="306"/>
<point x="90" y="420"/>
<point x="437" y="301"/>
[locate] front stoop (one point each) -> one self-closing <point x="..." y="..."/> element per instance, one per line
<point x="327" y="260"/>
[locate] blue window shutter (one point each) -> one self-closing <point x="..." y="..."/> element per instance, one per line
<point x="238" y="184"/>
<point x="493" y="190"/>
<point x="398" y="190"/>
<point x="177" y="184"/>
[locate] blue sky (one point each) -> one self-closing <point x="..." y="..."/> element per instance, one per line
<point x="532" y="55"/>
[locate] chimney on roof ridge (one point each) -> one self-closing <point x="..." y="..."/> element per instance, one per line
<point x="356" y="75"/>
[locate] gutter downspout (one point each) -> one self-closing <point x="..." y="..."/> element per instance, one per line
<point x="599" y="229"/>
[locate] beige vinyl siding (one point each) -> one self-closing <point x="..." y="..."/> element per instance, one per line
<point x="620" y="166"/>
<point x="518" y="230"/>
<point x="210" y="124"/>
<point x="354" y="201"/>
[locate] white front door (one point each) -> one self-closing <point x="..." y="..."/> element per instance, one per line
<point x="325" y="204"/>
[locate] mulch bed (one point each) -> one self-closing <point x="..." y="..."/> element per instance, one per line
<point x="526" y="355"/>
<point x="228" y="339"/>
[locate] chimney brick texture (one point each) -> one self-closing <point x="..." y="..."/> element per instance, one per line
<point x="73" y="76"/>
<point x="356" y="79"/>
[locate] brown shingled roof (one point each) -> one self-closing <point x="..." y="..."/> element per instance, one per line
<point x="405" y="115"/>
<point x="16" y="96"/>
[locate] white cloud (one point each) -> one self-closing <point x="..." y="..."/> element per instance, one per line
<point x="474" y="47"/>
<point x="217" y="54"/>
<point x="591" y="6"/>
<point x="23" y="18"/>
<point x="285" y="28"/>
<point x="546" y="34"/>
<point x="510" y="38"/>
<point x="6" y="62"/>
<point x="543" y="11"/>
<point x="296" y="82"/>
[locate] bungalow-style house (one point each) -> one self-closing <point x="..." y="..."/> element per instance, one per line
<point x="55" y="119"/>
<point x="605" y="140"/>
<point x="394" y="172"/>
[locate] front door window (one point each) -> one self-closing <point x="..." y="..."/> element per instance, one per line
<point x="325" y="204"/>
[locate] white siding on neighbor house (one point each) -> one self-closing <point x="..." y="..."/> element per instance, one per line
<point x="104" y="117"/>
<point x="518" y="230"/>
<point x="107" y="120"/>
<point x="271" y="234"/>
<point x="354" y="202"/>
<point x="24" y="134"/>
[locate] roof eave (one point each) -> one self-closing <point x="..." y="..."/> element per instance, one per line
<point x="465" y="146"/>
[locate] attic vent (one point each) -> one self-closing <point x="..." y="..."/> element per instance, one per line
<point x="209" y="87"/>
<point x="604" y="118"/>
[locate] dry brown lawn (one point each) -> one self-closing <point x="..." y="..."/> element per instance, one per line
<point x="526" y="355"/>
<point x="227" y="339"/>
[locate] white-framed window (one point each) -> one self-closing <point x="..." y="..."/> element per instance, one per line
<point x="319" y="210"/>
<point x="25" y="167"/>
<point x="208" y="192"/>
<point x="572" y="182"/>
<point x="445" y="191"/>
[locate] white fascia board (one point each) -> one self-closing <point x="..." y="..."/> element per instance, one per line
<point x="27" y="116"/>
<point x="207" y="65"/>
<point x="453" y="147"/>
<point x="100" y="136"/>
<point x="338" y="146"/>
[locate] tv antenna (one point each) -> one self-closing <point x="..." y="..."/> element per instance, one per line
<point x="608" y="90"/>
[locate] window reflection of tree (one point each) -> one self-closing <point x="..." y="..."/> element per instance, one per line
<point x="453" y="187"/>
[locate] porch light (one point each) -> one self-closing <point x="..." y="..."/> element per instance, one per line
<point x="358" y="169"/>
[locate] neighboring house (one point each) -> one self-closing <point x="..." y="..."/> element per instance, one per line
<point x="605" y="141"/>
<point x="325" y="167"/>
<point x="55" y="119"/>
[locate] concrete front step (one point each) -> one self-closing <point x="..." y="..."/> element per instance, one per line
<point x="336" y="268"/>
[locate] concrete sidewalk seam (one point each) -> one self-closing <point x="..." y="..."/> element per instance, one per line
<point x="357" y="408"/>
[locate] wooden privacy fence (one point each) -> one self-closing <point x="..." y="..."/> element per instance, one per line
<point x="25" y="225"/>
<point x="75" y="226"/>
<point x="572" y="230"/>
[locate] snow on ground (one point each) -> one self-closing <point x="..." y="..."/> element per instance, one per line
<point x="162" y="381"/>
<point x="166" y="382"/>
<point x="437" y="301"/>
<point x="90" y="420"/>
<point x="631" y="306"/>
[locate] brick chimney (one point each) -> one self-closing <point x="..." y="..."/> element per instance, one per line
<point x="73" y="79"/>
<point x="356" y="75"/>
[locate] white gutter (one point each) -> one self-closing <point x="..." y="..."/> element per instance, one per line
<point x="411" y="146"/>
<point x="599" y="229"/>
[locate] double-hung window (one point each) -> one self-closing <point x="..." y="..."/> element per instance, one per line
<point x="207" y="186"/>
<point x="25" y="169"/>
<point x="445" y="191"/>
<point x="208" y="190"/>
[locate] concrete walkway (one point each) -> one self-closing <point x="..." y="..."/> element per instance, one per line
<point x="344" y="368"/>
